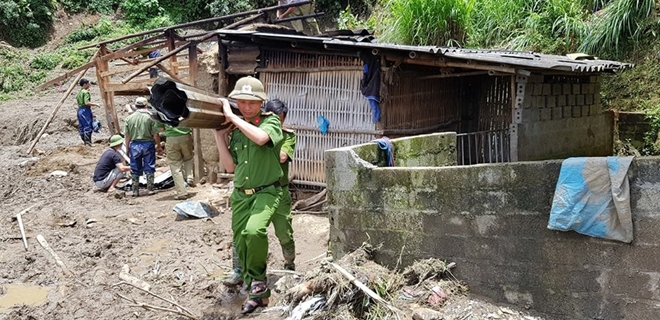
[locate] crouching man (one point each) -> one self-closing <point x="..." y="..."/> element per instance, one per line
<point x="110" y="168"/>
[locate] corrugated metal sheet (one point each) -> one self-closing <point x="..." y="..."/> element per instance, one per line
<point x="310" y="89"/>
<point x="521" y="59"/>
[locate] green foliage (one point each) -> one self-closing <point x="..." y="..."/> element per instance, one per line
<point x="623" y="21"/>
<point x="46" y="61"/>
<point x="222" y="8"/>
<point x="425" y="22"/>
<point x="137" y="12"/>
<point x="347" y="20"/>
<point x="86" y="33"/>
<point x="25" y="23"/>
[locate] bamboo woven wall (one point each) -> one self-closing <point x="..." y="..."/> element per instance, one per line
<point x="413" y="103"/>
<point x="495" y="103"/>
<point x="313" y="85"/>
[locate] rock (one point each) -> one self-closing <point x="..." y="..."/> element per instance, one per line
<point x="28" y="161"/>
<point x="58" y="173"/>
<point x="426" y="314"/>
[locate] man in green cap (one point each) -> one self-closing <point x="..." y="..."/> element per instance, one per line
<point x="253" y="155"/>
<point x="179" y="154"/>
<point x="85" y="116"/>
<point x="142" y="139"/>
<point x="110" y="168"/>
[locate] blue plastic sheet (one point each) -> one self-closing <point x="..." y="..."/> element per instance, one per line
<point x="592" y="197"/>
<point x="323" y="123"/>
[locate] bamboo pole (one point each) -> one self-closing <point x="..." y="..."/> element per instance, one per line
<point x="54" y="112"/>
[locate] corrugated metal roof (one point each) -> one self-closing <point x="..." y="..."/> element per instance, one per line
<point x="517" y="59"/>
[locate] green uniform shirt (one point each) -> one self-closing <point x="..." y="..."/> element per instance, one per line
<point x="256" y="165"/>
<point x="83" y="97"/>
<point x="140" y="127"/>
<point x="176" y="132"/>
<point x="288" y="147"/>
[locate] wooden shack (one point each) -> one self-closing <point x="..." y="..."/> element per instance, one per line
<point x="504" y="105"/>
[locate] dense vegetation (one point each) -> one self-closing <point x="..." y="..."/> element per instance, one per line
<point x="614" y="29"/>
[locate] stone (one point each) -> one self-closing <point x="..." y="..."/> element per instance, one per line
<point x="427" y="314"/>
<point x="58" y="173"/>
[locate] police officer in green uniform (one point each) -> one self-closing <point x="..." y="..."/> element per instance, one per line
<point x="282" y="218"/>
<point x="253" y="155"/>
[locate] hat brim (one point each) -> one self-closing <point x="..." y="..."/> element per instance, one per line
<point x="240" y="95"/>
<point x="116" y="143"/>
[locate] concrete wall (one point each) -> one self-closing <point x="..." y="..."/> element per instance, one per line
<point x="563" y="138"/>
<point x="491" y="220"/>
<point x="436" y="149"/>
<point x="561" y="116"/>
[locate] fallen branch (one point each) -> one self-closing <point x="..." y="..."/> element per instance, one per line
<point x="134" y="281"/>
<point x="285" y="272"/>
<point x="316" y="258"/>
<point x="174" y="303"/>
<point x="147" y="306"/>
<point x="365" y="289"/>
<point x="44" y="244"/>
<point x="20" y="225"/>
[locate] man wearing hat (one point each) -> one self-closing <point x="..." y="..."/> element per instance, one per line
<point x="85" y="117"/>
<point x="110" y="168"/>
<point x="143" y="141"/>
<point x="252" y="153"/>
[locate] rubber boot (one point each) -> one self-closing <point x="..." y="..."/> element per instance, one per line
<point x="135" y="185"/>
<point x="236" y="279"/>
<point x="87" y="137"/>
<point x="150" y="184"/>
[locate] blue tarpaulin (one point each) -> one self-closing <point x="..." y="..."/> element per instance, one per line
<point x="592" y="197"/>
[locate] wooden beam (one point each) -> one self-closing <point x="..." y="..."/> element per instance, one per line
<point x="174" y="76"/>
<point x="54" y="112"/>
<point x="68" y="74"/>
<point x="198" y="161"/>
<point x="132" y="86"/>
<point x="157" y="61"/>
<point x="195" y="23"/>
<point x="106" y="95"/>
<point x="171" y="45"/>
<point x="454" y="75"/>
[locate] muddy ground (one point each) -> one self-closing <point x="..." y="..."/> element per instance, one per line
<point x="180" y="259"/>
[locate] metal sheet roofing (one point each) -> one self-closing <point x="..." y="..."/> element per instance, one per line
<point x="517" y="59"/>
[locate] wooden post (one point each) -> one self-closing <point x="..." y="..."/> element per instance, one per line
<point x="171" y="45"/>
<point x="198" y="161"/>
<point x="108" y="97"/>
<point x="52" y="114"/>
<point x="222" y="72"/>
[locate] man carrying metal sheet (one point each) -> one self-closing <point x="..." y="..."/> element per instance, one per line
<point x="253" y="155"/>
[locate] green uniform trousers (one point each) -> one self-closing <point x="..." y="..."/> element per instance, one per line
<point x="251" y="215"/>
<point x="307" y="26"/>
<point x="282" y="219"/>
<point x="180" y="159"/>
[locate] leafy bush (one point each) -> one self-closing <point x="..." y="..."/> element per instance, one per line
<point x="219" y="8"/>
<point x="26" y="22"/>
<point x="99" y="6"/>
<point x="46" y="61"/>
<point x="347" y="20"/>
<point x="86" y="33"/>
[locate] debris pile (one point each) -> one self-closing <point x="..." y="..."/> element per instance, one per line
<point x="355" y="287"/>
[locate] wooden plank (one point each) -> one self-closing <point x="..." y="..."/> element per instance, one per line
<point x="198" y="161"/>
<point x="68" y="74"/>
<point x="114" y="87"/>
<point x="174" y="76"/>
<point x="106" y="95"/>
<point x="171" y="46"/>
<point x="126" y="51"/>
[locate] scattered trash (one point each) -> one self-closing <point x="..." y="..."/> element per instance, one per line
<point x="58" y="173"/>
<point x="306" y="308"/>
<point x="437" y="297"/>
<point x="90" y="222"/>
<point x="195" y="209"/>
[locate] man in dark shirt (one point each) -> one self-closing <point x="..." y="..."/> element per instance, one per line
<point x="110" y="168"/>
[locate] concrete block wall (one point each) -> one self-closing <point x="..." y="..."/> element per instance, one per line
<point x="491" y="220"/>
<point x="436" y="149"/>
<point x="556" y="97"/>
